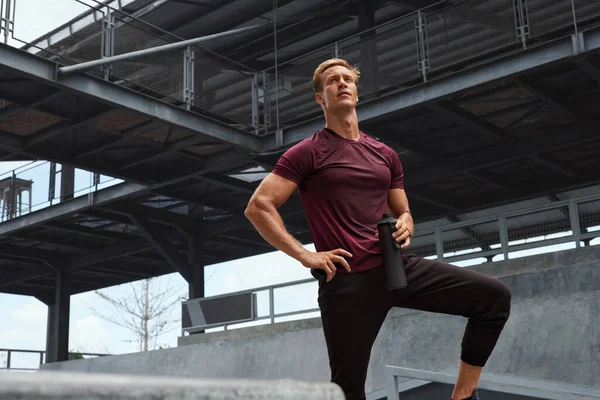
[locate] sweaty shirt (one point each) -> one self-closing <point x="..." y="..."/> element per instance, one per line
<point x="343" y="185"/>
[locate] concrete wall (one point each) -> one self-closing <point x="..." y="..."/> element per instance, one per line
<point x="553" y="334"/>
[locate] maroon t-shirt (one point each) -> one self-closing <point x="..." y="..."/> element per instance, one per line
<point x="343" y="185"/>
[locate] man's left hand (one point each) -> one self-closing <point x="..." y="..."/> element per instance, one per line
<point x="402" y="234"/>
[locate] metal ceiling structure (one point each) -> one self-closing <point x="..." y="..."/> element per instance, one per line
<point x="494" y="110"/>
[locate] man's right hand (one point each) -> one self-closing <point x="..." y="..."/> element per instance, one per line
<point x="324" y="260"/>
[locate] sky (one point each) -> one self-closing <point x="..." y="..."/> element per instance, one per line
<point x="23" y="319"/>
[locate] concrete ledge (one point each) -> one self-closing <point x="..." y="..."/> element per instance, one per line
<point x="60" y="385"/>
<point x="250" y="332"/>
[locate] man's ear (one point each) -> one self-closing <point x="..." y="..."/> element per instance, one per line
<point x="319" y="98"/>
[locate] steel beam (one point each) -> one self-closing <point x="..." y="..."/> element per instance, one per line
<point x="23" y="273"/>
<point x="162" y="245"/>
<point x="550" y="98"/>
<point x="44" y="71"/>
<point x="29" y="253"/>
<point x="469" y="121"/>
<point x="104" y="196"/>
<point x="504" y="152"/>
<point x="70" y="207"/>
<point x="404" y="99"/>
<point x="591" y="67"/>
<point x="59" y="342"/>
<point x="554" y="166"/>
<point x="178" y="221"/>
<point x="108" y="253"/>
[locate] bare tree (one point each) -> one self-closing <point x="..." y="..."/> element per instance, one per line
<point x="146" y="310"/>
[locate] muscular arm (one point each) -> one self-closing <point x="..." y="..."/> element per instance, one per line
<point x="398" y="205"/>
<point x="262" y="212"/>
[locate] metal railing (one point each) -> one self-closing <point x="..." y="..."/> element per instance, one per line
<point x="501" y="384"/>
<point x="553" y="227"/>
<point x="37" y="184"/>
<point x="277" y="303"/>
<point x="8" y="360"/>
<point x="192" y="77"/>
<point x="437" y="40"/>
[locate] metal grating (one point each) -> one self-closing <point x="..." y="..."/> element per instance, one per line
<point x="538" y="226"/>
<point x="295" y="298"/>
<point x="220" y="87"/>
<point x="587" y="13"/>
<point x="470" y="29"/>
<point x="423" y="245"/>
<point x="387" y="58"/>
<point x="549" y="15"/>
<point x="589" y="217"/>
<point x="471" y="239"/>
<point x="298" y="75"/>
<point x="160" y="75"/>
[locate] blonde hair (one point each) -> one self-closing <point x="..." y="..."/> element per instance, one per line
<point x="316" y="81"/>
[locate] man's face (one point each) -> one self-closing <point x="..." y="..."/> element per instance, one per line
<point x="339" y="89"/>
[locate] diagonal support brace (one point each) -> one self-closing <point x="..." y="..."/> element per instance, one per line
<point x="162" y="245"/>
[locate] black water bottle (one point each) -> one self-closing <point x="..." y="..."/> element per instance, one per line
<point x="393" y="264"/>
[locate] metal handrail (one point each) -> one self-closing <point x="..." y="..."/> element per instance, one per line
<point x="10" y="352"/>
<point x="503" y="384"/>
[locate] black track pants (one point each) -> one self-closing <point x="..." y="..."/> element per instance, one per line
<point x="354" y="306"/>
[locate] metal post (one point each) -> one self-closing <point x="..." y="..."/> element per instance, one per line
<point x="255" y="116"/>
<point x="11" y="196"/>
<point x="577" y="37"/>
<point x="7" y="21"/>
<point x="336" y="50"/>
<point x="575" y="227"/>
<point x="188" y="77"/>
<point x="8" y="359"/>
<point x="108" y="42"/>
<point x="392" y="385"/>
<point x="153" y="50"/>
<point x="521" y="14"/>
<point x="266" y="101"/>
<point x="51" y="183"/>
<point x="272" y="304"/>
<point x="439" y="244"/>
<point x="503" y="235"/>
<point x="422" y="46"/>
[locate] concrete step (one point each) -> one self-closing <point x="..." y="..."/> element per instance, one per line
<point x="53" y="385"/>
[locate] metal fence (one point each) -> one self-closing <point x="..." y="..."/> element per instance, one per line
<point x="37" y="184"/>
<point x="31" y="360"/>
<point x="558" y="226"/>
<point x="437" y="40"/>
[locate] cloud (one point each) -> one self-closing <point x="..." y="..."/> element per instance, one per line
<point x="231" y="283"/>
<point x="89" y="335"/>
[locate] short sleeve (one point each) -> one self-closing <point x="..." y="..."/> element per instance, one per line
<point x="397" y="181"/>
<point x="296" y="163"/>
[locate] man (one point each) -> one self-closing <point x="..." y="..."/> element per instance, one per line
<point x="346" y="181"/>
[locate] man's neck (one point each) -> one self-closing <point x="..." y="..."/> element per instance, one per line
<point x="345" y="125"/>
